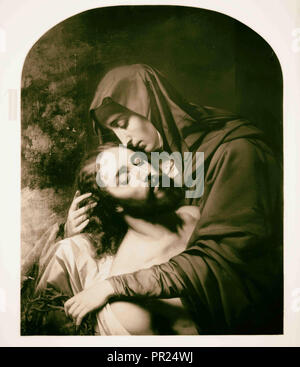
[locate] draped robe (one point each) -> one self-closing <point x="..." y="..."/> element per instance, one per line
<point x="230" y="275"/>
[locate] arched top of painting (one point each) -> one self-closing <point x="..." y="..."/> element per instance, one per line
<point x="133" y="32"/>
<point x="210" y="58"/>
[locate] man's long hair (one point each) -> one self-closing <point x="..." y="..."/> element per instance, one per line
<point x="106" y="227"/>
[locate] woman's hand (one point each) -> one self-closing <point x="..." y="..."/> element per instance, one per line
<point x="77" y="218"/>
<point x="88" y="300"/>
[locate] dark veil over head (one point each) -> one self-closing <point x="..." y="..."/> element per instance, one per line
<point x="145" y="91"/>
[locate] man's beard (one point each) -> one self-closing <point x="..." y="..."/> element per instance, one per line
<point x="155" y="209"/>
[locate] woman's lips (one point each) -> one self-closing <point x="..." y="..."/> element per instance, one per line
<point x="141" y="145"/>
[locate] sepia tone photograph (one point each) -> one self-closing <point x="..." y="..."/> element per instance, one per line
<point x="151" y="176"/>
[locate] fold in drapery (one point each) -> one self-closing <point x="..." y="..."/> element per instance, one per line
<point x="231" y="273"/>
<point x="73" y="268"/>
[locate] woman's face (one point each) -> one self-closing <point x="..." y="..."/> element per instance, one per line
<point x="135" y="131"/>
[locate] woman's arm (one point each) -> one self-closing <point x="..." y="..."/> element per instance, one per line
<point x="229" y="266"/>
<point x="233" y="260"/>
<point x="78" y="217"/>
<point x="88" y="300"/>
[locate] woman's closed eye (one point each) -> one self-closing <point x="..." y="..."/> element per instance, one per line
<point x="119" y="123"/>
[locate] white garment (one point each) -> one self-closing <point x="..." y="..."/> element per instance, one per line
<point x="73" y="268"/>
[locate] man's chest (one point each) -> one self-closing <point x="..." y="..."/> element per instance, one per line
<point x="137" y="252"/>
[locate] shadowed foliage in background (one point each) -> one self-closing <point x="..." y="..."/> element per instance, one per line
<point x="210" y="58"/>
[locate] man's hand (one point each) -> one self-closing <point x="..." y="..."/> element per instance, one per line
<point x="78" y="218"/>
<point x="88" y="300"/>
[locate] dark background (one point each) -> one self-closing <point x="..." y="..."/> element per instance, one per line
<point x="209" y="57"/>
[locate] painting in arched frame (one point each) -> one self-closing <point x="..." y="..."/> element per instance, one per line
<point x="212" y="59"/>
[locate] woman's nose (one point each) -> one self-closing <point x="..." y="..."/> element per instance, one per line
<point x="128" y="142"/>
<point x="125" y="139"/>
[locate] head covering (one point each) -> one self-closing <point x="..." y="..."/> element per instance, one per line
<point x="183" y="126"/>
<point x="227" y="274"/>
